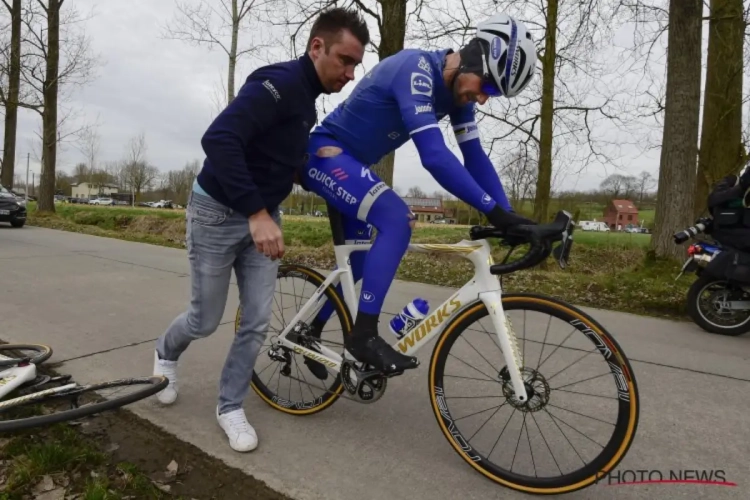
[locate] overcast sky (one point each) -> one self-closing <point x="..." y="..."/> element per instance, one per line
<point x="164" y="88"/>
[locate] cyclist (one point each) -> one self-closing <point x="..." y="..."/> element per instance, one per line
<point x="402" y="97"/>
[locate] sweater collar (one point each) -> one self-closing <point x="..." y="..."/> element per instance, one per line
<point x="312" y="75"/>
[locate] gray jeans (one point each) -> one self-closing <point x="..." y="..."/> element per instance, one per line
<point x="218" y="240"/>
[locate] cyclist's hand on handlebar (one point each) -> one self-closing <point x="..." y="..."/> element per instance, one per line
<point x="502" y="219"/>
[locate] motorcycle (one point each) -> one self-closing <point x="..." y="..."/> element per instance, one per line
<point x="716" y="304"/>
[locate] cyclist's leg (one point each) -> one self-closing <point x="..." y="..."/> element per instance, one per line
<point x="357" y="192"/>
<point x="354" y="232"/>
<point x="346" y="231"/>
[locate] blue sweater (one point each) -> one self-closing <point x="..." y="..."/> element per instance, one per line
<point x="255" y="145"/>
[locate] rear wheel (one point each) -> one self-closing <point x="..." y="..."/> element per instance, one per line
<point x="281" y="377"/>
<point x="709" y="302"/>
<point x="82" y="401"/>
<point x="472" y="396"/>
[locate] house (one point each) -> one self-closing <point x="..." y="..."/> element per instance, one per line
<point x="426" y="209"/>
<point x="621" y="213"/>
<point x="88" y="189"/>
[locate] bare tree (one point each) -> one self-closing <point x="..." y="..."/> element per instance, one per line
<point x="721" y="151"/>
<point x="677" y="172"/>
<point x="137" y="174"/>
<point x="52" y="31"/>
<point x="89" y="144"/>
<point x="645" y="182"/>
<point x="10" y="98"/>
<point x="416" y="192"/>
<point x="218" y="24"/>
<point x="519" y="175"/>
<point x="615" y="185"/>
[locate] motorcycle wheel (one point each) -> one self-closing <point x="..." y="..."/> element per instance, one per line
<point x="711" y="313"/>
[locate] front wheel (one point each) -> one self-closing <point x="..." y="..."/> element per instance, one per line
<point x="710" y="304"/>
<point x="572" y="368"/>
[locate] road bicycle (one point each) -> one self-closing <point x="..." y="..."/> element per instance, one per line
<point x="19" y="375"/>
<point x="512" y="382"/>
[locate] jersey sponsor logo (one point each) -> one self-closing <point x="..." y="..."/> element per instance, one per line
<point x="377" y="188"/>
<point x="366" y="173"/>
<point x="423" y="64"/>
<point x="496" y="47"/>
<point x="467" y="132"/>
<point x="486" y="199"/>
<point x="332" y="187"/>
<point x="275" y="93"/>
<point x="393" y="135"/>
<point x="421" y="84"/>
<point x="339" y="173"/>
<point x="368" y="296"/>
<point x="322" y="177"/>
<point x="426" y="108"/>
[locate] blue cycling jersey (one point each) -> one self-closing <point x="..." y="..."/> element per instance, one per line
<point x="403" y="97"/>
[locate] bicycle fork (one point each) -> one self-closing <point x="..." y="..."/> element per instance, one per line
<point x="508" y="341"/>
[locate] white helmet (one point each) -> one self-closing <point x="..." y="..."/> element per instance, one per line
<point x="511" y="61"/>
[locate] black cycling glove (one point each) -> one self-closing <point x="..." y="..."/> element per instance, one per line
<point x="502" y="219"/>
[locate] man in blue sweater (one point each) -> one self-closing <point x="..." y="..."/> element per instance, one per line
<point x="253" y="149"/>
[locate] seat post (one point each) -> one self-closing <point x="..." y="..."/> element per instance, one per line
<point x="337" y="226"/>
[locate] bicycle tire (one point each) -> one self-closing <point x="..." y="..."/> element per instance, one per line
<point x="628" y="404"/>
<point x="44" y="352"/>
<point x="334" y="391"/>
<point x="153" y="384"/>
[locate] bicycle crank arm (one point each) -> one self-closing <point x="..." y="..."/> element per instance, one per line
<point x="343" y="394"/>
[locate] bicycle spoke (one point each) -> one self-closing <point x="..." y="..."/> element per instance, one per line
<point x="546" y="443"/>
<point x="544" y="344"/>
<point x="470" y="366"/>
<point x="581" y="414"/>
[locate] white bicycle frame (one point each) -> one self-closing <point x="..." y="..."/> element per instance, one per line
<point x="14" y="376"/>
<point x="483" y="286"/>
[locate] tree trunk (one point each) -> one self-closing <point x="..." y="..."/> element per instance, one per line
<point x="392" y="34"/>
<point x="679" y="151"/>
<point x="721" y="136"/>
<point x="544" y="178"/>
<point x="11" y="101"/>
<point x="49" y="117"/>
<point x="233" y="52"/>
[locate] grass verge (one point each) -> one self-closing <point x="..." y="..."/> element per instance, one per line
<point x="112" y="456"/>
<point x="607" y="270"/>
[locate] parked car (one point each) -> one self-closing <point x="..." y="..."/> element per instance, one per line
<point x="100" y="201"/>
<point x="10" y="209"/>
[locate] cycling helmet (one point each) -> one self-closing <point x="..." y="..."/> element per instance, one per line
<point x="508" y="55"/>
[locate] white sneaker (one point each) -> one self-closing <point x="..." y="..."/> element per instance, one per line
<point x="169" y="369"/>
<point x="242" y="436"/>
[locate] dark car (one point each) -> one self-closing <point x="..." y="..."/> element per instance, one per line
<point x="10" y="210"/>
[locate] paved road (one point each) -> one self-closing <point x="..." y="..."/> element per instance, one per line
<point x="101" y="303"/>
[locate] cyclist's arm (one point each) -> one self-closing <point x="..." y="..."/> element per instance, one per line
<point x="476" y="160"/>
<point x="413" y="91"/>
